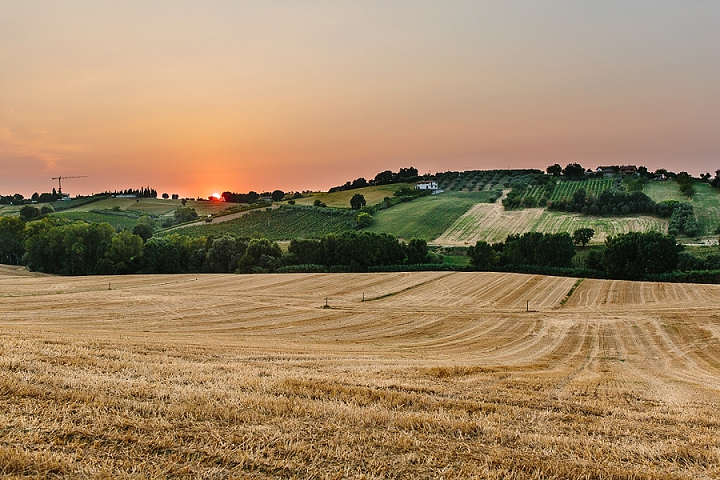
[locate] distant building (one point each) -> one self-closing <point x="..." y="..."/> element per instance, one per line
<point x="606" y="171"/>
<point x="610" y="170"/>
<point x="427" y="185"/>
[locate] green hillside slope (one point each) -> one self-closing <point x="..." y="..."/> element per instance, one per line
<point x="426" y="217"/>
<point x="705" y="202"/>
<point x="372" y="195"/>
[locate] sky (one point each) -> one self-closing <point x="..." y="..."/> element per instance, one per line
<point x="198" y="97"/>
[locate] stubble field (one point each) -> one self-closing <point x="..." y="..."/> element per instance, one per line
<point x="433" y="375"/>
<point x="492" y="223"/>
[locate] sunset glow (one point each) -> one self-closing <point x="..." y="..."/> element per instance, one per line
<point x="189" y="97"/>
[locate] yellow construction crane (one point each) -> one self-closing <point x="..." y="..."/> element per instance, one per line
<point x="60" y="179"/>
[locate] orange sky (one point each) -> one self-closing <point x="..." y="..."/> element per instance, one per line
<point x="199" y="97"/>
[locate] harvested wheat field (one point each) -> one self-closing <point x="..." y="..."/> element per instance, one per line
<point x="492" y="223"/>
<point x="433" y="375"/>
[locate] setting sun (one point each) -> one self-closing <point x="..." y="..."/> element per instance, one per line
<point x="215" y="196"/>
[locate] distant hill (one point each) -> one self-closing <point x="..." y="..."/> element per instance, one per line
<point x="460" y="216"/>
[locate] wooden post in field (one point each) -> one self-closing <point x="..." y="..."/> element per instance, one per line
<point x="527" y="306"/>
<point x="109" y="286"/>
<point x="363" y="297"/>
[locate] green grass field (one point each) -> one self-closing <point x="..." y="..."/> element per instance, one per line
<point x="9" y="210"/>
<point x="661" y="191"/>
<point x="152" y="206"/>
<point x="705" y="202"/>
<point x="278" y="224"/>
<point x="372" y="195"/>
<point x="426" y="217"/>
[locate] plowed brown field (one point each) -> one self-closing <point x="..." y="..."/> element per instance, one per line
<point x="433" y="375"/>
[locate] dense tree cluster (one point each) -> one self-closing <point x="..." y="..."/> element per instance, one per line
<point x="609" y="202"/>
<point x="682" y="220"/>
<point x="531" y="248"/>
<point x="59" y="246"/>
<point x="404" y="175"/>
<point x="634" y="255"/>
<point x="250" y="197"/>
<point x="685" y="184"/>
<point x="355" y="250"/>
<point x="16" y="199"/>
<point x="715" y="183"/>
<point x="29" y="212"/>
<point x="12" y="236"/>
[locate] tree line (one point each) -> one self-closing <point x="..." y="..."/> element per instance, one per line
<point x="631" y="256"/>
<point x="387" y="177"/>
<point x="59" y="246"/>
<point x="142" y="192"/>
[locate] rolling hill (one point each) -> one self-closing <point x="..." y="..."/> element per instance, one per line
<point x="458" y="217"/>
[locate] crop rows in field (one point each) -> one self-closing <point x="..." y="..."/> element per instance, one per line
<point x="564" y="190"/>
<point x="279" y="224"/>
<point x="493" y="224"/>
<point x="536" y="193"/>
<point x="479" y="180"/>
<point x="407" y="375"/>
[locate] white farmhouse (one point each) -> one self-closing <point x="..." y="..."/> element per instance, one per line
<point x="427" y="185"/>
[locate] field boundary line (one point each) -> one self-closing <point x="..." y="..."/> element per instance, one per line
<point x="390" y="294"/>
<point x="571" y="291"/>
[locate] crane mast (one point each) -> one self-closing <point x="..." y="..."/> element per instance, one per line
<point x="61" y="178"/>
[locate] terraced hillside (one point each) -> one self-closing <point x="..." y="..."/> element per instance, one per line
<point x="434" y="374"/>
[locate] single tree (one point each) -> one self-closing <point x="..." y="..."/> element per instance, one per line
<point x="573" y="170"/>
<point x="582" y="236"/>
<point x="144" y="231"/>
<point x="357" y="201"/>
<point x="554" y="170"/>
<point x="277" y="195"/>
<point x="185" y="214"/>
<point x="28" y="212"/>
<point x="364" y="219"/>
